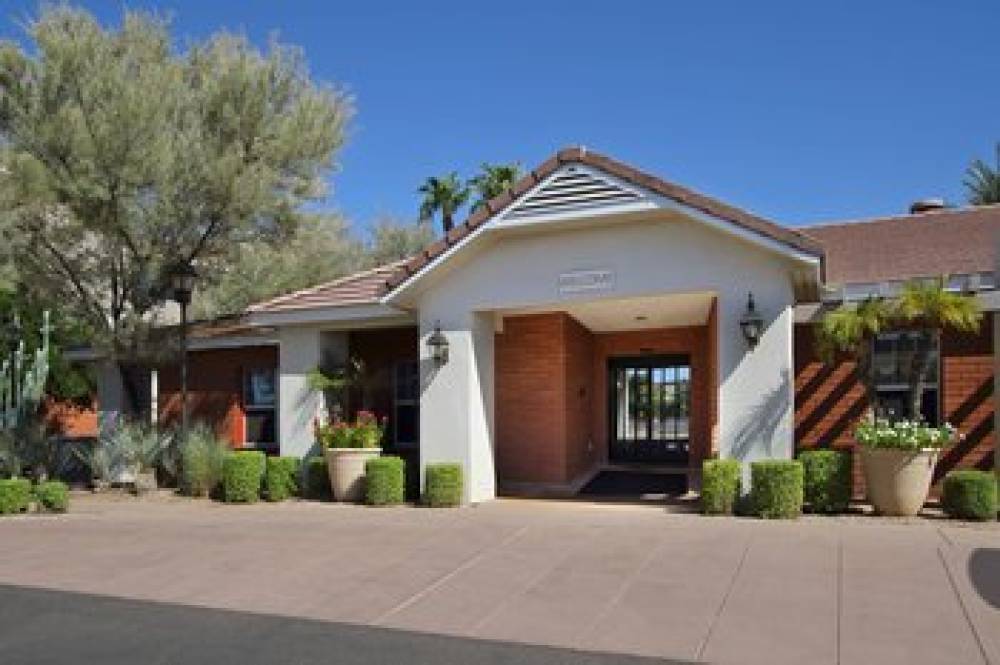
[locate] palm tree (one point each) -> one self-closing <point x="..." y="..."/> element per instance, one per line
<point x="922" y="305"/>
<point x="983" y="181"/>
<point x="929" y="306"/>
<point x="447" y="194"/>
<point x="493" y="180"/>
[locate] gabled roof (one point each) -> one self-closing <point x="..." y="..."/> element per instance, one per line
<point x="940" y="242"/>
<point x="361" y="288"/>
<point x="713" y="207"/>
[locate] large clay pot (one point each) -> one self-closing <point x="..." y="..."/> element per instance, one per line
<point x="898" y="481"/>
<point x="346" y="467"/>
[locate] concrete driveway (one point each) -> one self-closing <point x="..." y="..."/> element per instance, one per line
<point x="600" y="578"/>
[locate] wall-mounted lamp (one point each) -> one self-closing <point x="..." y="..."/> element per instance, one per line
<point x="438" y="345"/>
<point x="751" y="323"/>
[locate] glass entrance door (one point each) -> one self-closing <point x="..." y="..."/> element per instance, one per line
<point x="650" y="407"/>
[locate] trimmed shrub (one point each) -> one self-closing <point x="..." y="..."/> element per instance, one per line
<point x="15" y="495"/>
<point x="970" y="495"/>
<point x="317" y="479"/>
<point x="776" y="488"/>
<point x="443" y="485"/>
<point x="242" y="472"/>
<point x="720" y="486"/>
<point x="828" y="480"/>
<point x="281" y="478"/>
<point x="53" y="495"/>
<point x="385" y="481"/>
<point x="202" y="457"/>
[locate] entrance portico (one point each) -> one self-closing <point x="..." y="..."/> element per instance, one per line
<point x="513" y="292"/>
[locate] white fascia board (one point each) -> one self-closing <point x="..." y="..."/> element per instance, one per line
<point x="650" y="201"/>
<point x="336" y="316"/>
<point x="229" y="342"/>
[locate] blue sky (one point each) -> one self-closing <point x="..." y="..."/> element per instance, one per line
<point x="799" y="111"/>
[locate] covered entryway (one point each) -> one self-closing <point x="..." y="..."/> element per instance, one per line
<point x="650" y="409"/>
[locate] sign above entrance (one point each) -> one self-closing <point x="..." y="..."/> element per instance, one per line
<point x="577" y="281"/>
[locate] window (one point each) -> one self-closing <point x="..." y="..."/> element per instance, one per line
<point x="892" y="362"/>
<point x="259" y="400"/>
<point x="406" y="403"/>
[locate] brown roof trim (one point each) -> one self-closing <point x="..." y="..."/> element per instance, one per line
<point x="688" y="197"/>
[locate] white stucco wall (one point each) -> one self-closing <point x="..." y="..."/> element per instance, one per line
<point x="300" y="350"/>
<point x="646" y="258"/>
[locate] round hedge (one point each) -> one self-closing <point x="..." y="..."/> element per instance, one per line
<point x="15" y="495"/>
<point x="281" y="478"/>
<point x="53" y="495"/>
<point x="828" y="480"/>
<point x="317" y="479"/>
<point x="385" y="481"/>
<point x="720" y="486"/>
<point x="776" y="488"/>
<point x="242" y="472"/>
<point x="443" y="485"/>
<point x="970" y="495"/>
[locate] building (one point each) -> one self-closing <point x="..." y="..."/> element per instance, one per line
<point x="592" y="317"/>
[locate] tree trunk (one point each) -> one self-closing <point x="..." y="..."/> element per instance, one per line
<point x="919" y="368"/>
<point x="866" y="375"/>
<point x="447" y="222"/>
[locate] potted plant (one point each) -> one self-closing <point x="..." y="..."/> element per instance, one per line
<point x="347" y="448"/>
<point x="898" y="458"/>
<point x="898" y="461"/>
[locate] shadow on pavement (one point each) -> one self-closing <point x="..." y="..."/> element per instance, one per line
<point x="984" y="571"/>
<point x="40" y="626"/>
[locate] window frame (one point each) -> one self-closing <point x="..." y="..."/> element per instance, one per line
<point x="398" y="402"/>
<point x="894" y="387"/>
<point x="250" y="408"/>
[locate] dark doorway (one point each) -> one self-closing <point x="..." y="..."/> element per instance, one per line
<point x="649" y="407"/>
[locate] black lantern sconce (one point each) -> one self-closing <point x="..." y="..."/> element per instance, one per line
<point x="751" y="323"/>
<point x="438" y="345"/>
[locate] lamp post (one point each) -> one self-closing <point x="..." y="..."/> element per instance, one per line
<point x="182" y="279"/>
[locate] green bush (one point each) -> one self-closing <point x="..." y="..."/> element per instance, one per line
<point x="281" y="478"/>
<point x="53" y="495"/>
<point x="828" y="480"/>
<point x="776" y="488"/>
<point x="317" y="479"/>
<point x="242" y="472"/>
<point x="720" y="486"/>
<point x="443" y="485"/>
<point x="970" y="495"/>
<point x="202" y="457"/>
<point x="385" y="481"/>
<point x="15" y="495"/>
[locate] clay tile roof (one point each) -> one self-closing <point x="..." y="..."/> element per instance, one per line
<point x="706" y="204"/>
<point x="361" y="288"/>
<point x="949" y="241"/>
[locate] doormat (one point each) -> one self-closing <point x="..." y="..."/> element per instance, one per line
<point x="635" y="484"/>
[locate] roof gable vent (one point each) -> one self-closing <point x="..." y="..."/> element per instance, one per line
<point x="570" y="190"/>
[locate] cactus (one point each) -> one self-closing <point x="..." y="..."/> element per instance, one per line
<point x="22" y="381"/>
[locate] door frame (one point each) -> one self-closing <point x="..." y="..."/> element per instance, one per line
<point x="648" y="361"/>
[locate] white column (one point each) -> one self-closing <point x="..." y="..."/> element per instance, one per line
<point x="756" y="386"/>
<point x="301" y="350"/>
<point x="456" y="402"/>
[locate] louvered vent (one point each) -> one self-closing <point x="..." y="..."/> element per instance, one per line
<point x="572" y="190"/>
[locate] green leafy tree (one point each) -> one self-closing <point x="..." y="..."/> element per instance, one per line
<point x="922" y="305"/>
<point x="982" y="181"/>
<point x="392" y="241"/>
<point x="445" y="194"/>
<point x="320" y="249"/>
<point x="123" y="154"/>
<point x="493" y="180"/>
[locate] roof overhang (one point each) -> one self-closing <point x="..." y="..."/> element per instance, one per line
<point x="367" y="315"/>
<point x="538" y="207"/>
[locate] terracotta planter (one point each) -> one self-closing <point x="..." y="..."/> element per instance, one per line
<point x="346" y="467"/>
<point x="898" y="481"/>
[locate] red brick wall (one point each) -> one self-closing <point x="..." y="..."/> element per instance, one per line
<point x="829" y="401"/>
<point x="692" y="340"/>
<point x="531" y="399"/>
<point x="215" y="388"/>
<point x="580" y="402"/>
